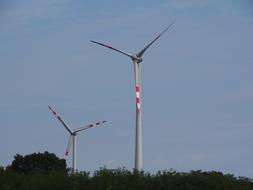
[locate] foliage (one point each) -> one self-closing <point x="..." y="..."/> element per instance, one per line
<point x="51" y="178"/>
<point x="122" y="179"/>
<point x="37" y="162"/>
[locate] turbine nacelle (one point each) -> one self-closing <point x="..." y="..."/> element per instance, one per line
<point x="74" y="134"/>
<point x="136" y="59"/>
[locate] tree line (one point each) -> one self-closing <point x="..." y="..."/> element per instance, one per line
<point x="44" y="171"/>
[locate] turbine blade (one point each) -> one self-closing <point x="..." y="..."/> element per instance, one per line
<point x="89" y="126"/>
<point x="69" y="145"/>
<point x="59" y="118"/>
<point x="144" y="49"/>
<point x="120" y="51"/>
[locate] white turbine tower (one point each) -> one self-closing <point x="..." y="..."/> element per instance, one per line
<point x="137" y="59"/>
<point x="72" y="138"/>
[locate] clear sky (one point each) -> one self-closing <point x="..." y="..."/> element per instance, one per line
<point x="197" y="84"/>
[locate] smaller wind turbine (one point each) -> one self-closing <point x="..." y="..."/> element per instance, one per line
<point x="72" y="138"/>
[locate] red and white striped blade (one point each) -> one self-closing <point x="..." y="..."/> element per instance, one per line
<point x="90" y="125"/>
<point x="69" y="145"/>
<point x="59" y="118"/>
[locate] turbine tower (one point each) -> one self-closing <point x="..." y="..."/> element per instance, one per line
<point x="137" y="59"/>
<point x="72" y="138"/>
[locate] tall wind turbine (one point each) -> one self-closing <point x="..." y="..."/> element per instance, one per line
<point x="137" y="59"/>
<point x="72" y="138"/>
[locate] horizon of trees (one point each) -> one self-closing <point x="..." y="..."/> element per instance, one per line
<point x="42" y="171"/>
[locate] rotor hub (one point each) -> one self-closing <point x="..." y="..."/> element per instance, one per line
<point x="137" y="59"/>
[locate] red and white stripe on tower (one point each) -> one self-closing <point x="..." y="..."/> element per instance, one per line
<point x="138" y="98"/>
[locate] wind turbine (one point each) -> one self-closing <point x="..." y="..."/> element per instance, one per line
<point x="137" y="59"/>
<point x="72" y="138"/>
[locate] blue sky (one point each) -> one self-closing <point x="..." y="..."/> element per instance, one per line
<point x="196" y="91"/>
